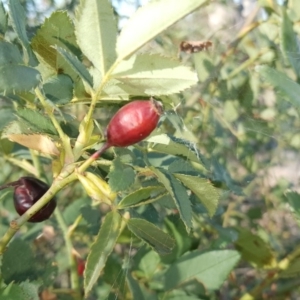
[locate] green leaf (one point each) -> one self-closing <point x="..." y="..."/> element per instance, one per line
<point x="72" y="211"/>
<point x="178" y="194"/>
<point x="203" y="189"/>
<point x="77" y="66"/>
<point x="160" y="241"/>
<point x="101" y="249"/>
<point x="294" y="10"/>
<point x="288" y="88"/>
<point x="290" y="43"/>
<point x="183" y="242"/>
<point x="147" y="262"/>
<point x="117" y="90"/>
<point x="12" y="291"/>
<point x="134" y="287"/>
<point x="96" y="32"/>
<point x="22" y="291"/>
<point x="294" y="202"/>
<point x="9" y="54"/>
<point x="6" y="116"/>
<point x="142" y="196"/>
<point x="30" y="291"/>
<point x="57" y="31"/>
<point x="92" y="217"/>
<point x="211" y="268"/>
<point x="120" y="176"/>
<point x="18" y="262"/>
<point x="111" y="272"/>
<point x="223" y="177"/>
<point x="171" y="145"/>
<point x="37" y="122"/>
<point x="182" y="296"/>
<point x="254" y="249"/>
<point x="6" y="146"/>
<point x="18" y="19"/>
<point x="155" y="75"/>
<point x="204" y="65"/>
<point x="150" y="20"/>
<point x="59" y="89"/>
<point x="183" y="166"/>
<point x="3" y="20"/>
<point x="17" y="78"/>
<point x="19" y="127"/>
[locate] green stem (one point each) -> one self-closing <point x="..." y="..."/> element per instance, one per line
<point x="64" y="138"/>
<point x="72" y="262"/>
<point x="92" y="158"/>
<point x="72" y="228"/>
<point x="95" y="96"/>
<point x="23" y="164"/>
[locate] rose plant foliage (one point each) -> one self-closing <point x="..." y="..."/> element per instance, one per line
<point x="100" y="173"/>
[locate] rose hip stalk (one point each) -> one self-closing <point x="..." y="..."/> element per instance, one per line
<point x="131" y="124"/>
<point x="28" y="190"/>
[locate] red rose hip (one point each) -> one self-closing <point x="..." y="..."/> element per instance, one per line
<point x="131" y="124"/>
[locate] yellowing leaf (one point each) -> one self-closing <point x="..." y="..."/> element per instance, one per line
<point x="37" y="142"/>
